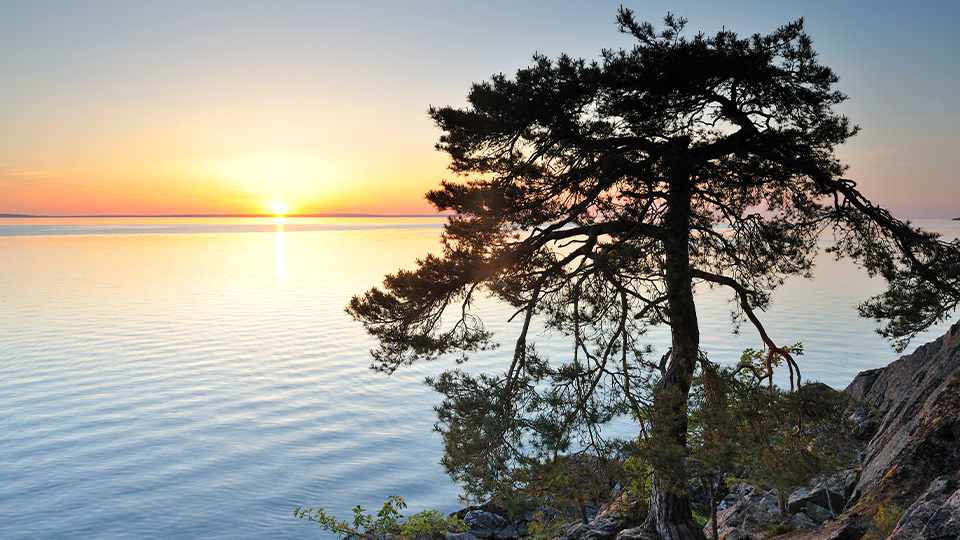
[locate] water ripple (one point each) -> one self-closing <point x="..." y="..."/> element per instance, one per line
<point x="201" y="382"/>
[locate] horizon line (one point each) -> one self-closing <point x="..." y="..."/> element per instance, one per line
<point x="327" y="215"/>
<point x="215" y="215"/>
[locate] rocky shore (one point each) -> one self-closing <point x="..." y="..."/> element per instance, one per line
<point x="908" y="471"/>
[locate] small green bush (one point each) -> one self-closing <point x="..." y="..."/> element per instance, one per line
<point x="702" y="520"/>
<point x="883" y="524"/>
<point x="388" y="521"/>
<point x="544" y="528"/>
<point x="431" y="523"/>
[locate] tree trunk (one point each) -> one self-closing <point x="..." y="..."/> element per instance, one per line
<point x="670" y="514"/>
<point x="714" y="490"/>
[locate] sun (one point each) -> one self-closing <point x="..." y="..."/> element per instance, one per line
<point x="279" y="208"/>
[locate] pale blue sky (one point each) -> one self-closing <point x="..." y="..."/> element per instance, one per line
<point x="189" y="106"/>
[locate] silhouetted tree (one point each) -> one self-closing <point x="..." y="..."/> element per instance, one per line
<point x="598" y="194"/>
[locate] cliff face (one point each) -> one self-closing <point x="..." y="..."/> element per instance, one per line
<point x="917" y="400"/>
<point x="912" y="459"/>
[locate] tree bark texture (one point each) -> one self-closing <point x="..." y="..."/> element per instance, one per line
<point x="670" y="512"/>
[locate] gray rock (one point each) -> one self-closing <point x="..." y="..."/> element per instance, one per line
<point x="801" y="521"/>
<point x="748" y="512"/>
<point x="849" y="484"/>
<point x="866" y="430"/>
<point x="935" y="515"/>
<point x="484" y="524"/>
<point x="612" y="519"/>
<point x="915" y="519"/>
<point x="849" y="528"/>
<point x="511" y="532"/>
<point x="865" y="421"/>
<point x="946" y="522"/>
<point x="488" y="522"/>
<point x="635" y="533"/>
<point x="919" y="421"/>
<point x="824" y="497"/>
<point x="737" y="534"/>
<point x="818" y="513"/>
<point x="727" y="501"/>
<point x="941" y="485"/>
<point x="482" y="519"/>
<point x="598" y="529"/>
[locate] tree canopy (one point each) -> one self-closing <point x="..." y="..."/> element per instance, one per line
<point x="596" y="196"/>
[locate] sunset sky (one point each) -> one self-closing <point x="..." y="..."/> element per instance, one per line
<point x="181" y="107"/>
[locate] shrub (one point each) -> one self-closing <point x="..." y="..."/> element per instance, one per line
<point x="885" y="521"/>
<point x="388" y="521"/>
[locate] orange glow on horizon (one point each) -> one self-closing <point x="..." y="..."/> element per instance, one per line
<point x="178" y="188"/>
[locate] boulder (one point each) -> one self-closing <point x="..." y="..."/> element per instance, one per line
<point x="849" y="528"/>
<point x="911" y="417"/>
<point x="745" y="512"/>
<point x="611" y="522"/>
<point x="817" y="513"/>
<point x="801" y="521"/>
<point x="489" y="522"/>
<point x="945" y="523"/>
<point x="936" y="514"/>
<point x="601" y="528"/>
<point x="918" y="410"/>
<point x="865" y="424"/>
<point x="823" y="498"/>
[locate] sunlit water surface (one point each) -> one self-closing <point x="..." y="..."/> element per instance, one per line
<point x="198" y="378"/>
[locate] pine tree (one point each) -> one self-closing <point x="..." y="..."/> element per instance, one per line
<point x="596" y="195"/>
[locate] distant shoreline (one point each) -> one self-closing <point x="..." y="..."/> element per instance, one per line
<point x="34" y="216"/>
<point x="225" y="216"/>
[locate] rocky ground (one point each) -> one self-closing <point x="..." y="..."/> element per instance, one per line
<point x="909" y="421"/>
<point x="913" y="459"/>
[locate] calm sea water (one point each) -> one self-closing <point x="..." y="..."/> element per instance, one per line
<point x="173" y="378"/>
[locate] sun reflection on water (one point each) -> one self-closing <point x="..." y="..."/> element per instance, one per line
<point x="279" y="237"/>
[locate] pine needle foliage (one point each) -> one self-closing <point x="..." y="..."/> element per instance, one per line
<point x="594" y="197"/>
